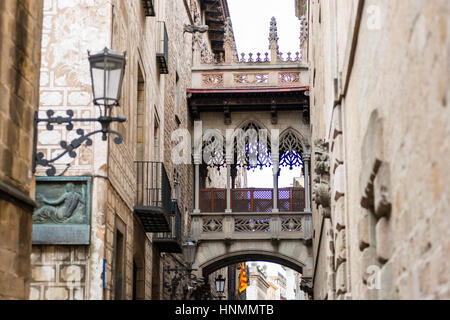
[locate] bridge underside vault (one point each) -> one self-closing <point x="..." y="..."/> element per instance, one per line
<point x="295" y="254"/>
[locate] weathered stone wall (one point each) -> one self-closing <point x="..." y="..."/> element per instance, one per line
<point x="175" y="104"/>
<point x="59" y="273"/>
<point x="20" y="41"/>
<point x="65" y="83"/>
<point x="122" y="26"/>
<point x="176" y="117"/>
<point x="379" y="94"/>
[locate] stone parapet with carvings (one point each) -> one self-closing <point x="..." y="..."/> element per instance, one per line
<point x="245" y="226"/>
<point x="252" y="76"/>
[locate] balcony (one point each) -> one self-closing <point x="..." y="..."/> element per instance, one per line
<point x="149" y="8"/>
<point x="153" y="196"/>
<point x="252" y="200"/>
<point x="252" y="216"/>
<point x="170" y="242"/>
<point x="162" y="49"/>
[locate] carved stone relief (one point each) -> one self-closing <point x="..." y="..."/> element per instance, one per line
<point x="289" y="77"/>
<point x="212" y="80"/>
<point x="64" y="213"/>
<point x="68" y="206"/>
<point x="376" y="201"/>
<point x="251" y="78"/>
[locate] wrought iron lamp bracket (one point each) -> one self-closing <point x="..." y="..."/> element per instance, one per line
<point x="105" y="121"/>
<point x="180" y="275"/>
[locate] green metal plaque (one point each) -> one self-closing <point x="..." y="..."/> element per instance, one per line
<point x="64" y="213"/>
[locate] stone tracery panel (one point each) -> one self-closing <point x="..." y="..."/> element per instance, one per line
<point x="291" y="150"/>
<point x="251" y="78"/>
<point x="291" y="224"/>
<point x="212" y="80"/>
<point x="252" y="224"/>
<point x="213" y="225"/>
<point x="289" y="78"/>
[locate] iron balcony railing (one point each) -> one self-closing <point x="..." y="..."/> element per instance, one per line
<point x="153" y="196"/>
<point x="252" y="200"/>
<point x="174" y="224"/>
<point x="153" y="186"/>
<point x="162" y="53"/>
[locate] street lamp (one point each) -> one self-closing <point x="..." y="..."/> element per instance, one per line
<point x="189" y="248"/>
<point x="220" y="285"/>
<point x="107" y="71"/>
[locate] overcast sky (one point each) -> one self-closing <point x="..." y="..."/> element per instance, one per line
<point x="251" y="24"/>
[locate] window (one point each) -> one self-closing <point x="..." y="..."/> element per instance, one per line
<point x="140" y="123"/>
<point x="119" y="266"/>
<point x="156" y="139"/>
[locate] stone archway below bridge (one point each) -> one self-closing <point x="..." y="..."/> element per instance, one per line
<point x="214" y="255"/>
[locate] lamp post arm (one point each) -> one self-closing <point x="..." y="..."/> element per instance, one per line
<point x="38" y="158"/>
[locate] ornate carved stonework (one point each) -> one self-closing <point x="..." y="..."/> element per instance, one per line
<point x="228" y="29"/>
<point x="291" y="224"/>
<point x="321" y="193"/>
<point x="289" y="77"/>
<point x="213" y="225"/>
<point x="291" y="150"/>
<point x="303" y="30"/>
<point x="206" y="57"/>
<point x="212" y="80"/>
<point x="251" y="78"/>
<point x="252" y="224"/>
<point x="273" y="33"/>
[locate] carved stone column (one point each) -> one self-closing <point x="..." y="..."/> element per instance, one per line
<point x="276" y="169"/>
<point x="229" y="163"/>
<point x="306" y="163"/>
<point x="197" y="162"/>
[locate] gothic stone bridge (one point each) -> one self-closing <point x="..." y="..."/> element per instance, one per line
<point x="227" y="238"/>
<point x="232" y="223"/>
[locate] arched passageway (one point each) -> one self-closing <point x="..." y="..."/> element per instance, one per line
<point x="214" y="255"/>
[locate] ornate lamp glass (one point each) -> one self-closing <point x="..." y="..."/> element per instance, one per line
<point x="220" y="284"/>
<point x="189" y="248"/>
<point x="107" y="71"/>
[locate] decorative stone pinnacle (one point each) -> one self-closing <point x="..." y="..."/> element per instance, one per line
<point x="273" y="34"/>
<point x="228" y="28"/>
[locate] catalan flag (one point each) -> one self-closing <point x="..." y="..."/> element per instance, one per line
<point x="243" y="279"/>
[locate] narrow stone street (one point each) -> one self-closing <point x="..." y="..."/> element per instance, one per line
<point x="146" y="154"/>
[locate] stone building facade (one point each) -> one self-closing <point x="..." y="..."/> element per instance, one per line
<point x="366" y="98"/>
<point x="120" y="260"/>
<point x="20" y="42"/>
<point x="379" y="119"/>
<point x="258" y="284"/>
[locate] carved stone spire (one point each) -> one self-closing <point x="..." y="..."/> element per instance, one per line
<point x="228" y="28"/>
<point x="273" y="40"/>
<point x="273" y="34"/>
<point x="229" y="43"/>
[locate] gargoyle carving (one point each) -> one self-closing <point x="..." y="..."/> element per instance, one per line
<point x="195" y="28"/>
<point x="321" y="193"/>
